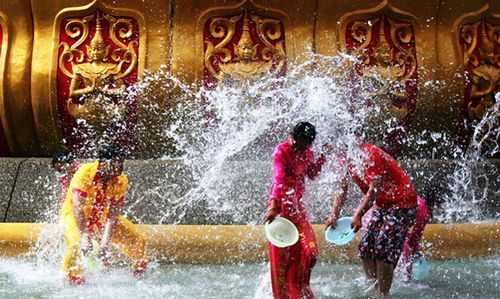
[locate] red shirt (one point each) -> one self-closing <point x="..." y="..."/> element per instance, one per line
<point x="395" y="187"/>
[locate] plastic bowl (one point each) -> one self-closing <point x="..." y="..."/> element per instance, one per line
<point x="342" y="233"/>
<point x="281" y="232"/>
<point x="92" y="261"/>
<point x="420" y="269"/>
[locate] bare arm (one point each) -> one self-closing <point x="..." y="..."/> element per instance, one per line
<point x="365" y="205"/>
<point x="109" y="227"/>
<point x="272" y="211"/>
<point x="75" y="92"/>
<point x="338" y="201"/>
<point x="78" y="200"/>
<point x="278" y="189"/>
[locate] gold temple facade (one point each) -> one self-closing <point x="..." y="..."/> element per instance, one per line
<point x="444" y="55"/>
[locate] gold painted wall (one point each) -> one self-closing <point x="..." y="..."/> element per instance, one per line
<point x="16" y="108"/>
<point x="174" y="42"/>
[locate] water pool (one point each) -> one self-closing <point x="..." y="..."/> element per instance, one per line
<point x="450" y="279"/>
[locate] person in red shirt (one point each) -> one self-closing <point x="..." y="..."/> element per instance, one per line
<point x="294" y="161"/>
<point x="64" y="164"/>
<point x="384" y="183"/>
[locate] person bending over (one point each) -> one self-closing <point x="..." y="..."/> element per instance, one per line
<point x="92" y="211"/>
<point x="383" y="182"/>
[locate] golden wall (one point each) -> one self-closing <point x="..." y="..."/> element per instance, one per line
<point x="430" y="36"/>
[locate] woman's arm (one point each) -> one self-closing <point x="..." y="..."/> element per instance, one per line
<point x="109" y="227"/>
<point x="339" y="198"/>
<point x="278" y="188"/>
<point x="365" y="205"/>
<point x="315" y="167"/>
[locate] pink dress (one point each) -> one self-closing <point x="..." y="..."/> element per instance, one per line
<point x="291" y="266"/>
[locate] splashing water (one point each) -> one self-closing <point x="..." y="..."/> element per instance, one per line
<point x="225" y="137"/>
<point x="474" y="181"/>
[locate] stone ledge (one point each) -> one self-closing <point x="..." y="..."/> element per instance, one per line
<point x="201" y="244"/>
<point x="158" y="186"/>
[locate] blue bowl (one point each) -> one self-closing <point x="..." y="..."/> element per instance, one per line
<point x="342" y="233"/>
<point x="420" y="269"/>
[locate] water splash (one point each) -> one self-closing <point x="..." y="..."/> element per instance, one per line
<point x="474" y="182"/>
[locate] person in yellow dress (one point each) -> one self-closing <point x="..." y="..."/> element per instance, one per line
<point x="92" y="211"/>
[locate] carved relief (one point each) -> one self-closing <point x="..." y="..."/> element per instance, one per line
<point x="480" y="45"/>
<point x="385" y="48"/>
<point x="243" y="47"/>
<point x="383" y="41"/>
<point x="98" y="56"/>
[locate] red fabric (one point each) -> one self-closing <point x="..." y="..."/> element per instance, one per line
<point x="208" y="79"/>
<point x="291" y="267"/>
<point x="290" y="170"/>
<point x="4" y="146"/>
<point x="76" y="135"/>
<point x="74" y="280"/>
<point x="465" y="129"/>
<point x="413" y="238"/>
<point x="395" y="187"/>
<point x="411" y="246"/>
<point x="80" y="192"/>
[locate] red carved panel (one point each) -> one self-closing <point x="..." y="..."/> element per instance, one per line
<point x="363" y="38"/>
<point x="221" y="40"/>
<point x="4" y="147"/>
<point x="475" y="37"/>
<point x="77" y="136"/>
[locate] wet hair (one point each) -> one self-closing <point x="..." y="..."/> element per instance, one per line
<point x="110" y="151"/>
<point x="64" y="156"/>
<point x="305" y="131"/>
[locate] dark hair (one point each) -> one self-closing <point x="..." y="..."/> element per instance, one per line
<point x="64" y="156"/>
<point x="304" y="130"/>
<point x="110" y="151"/>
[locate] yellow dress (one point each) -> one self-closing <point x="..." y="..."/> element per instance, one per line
<point x="126" y="236"/>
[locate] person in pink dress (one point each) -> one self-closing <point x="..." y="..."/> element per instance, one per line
<point x="386" y="185"/>
<point x="294" y="161"/>
<point x="411" y="247"/>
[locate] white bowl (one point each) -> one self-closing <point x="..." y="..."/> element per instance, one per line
<point x="281" y="232"/>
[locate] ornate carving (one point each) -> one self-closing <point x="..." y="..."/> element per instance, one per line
<point x="387" y="63"/>
<point x="480" y="44"/>
<point x="243" y="61"/>
<point x="96" y="90"/>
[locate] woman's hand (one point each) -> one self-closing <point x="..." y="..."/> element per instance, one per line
<point x="356" y="223"/>
<point x="271" y="214"/>
<point x="331" y="221"/>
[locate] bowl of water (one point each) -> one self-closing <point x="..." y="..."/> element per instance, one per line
<point x="91" y="260"/>
<point x="281" y="232"/>
<point x="342" y="233"/>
